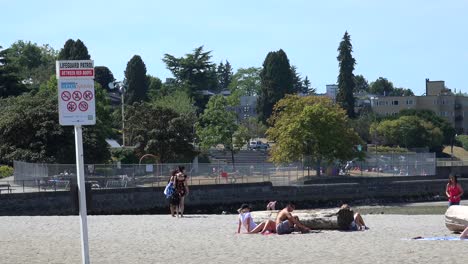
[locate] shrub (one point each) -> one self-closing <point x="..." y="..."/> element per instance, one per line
<point x="5" y="171"/>
<point x="462" y="141"/>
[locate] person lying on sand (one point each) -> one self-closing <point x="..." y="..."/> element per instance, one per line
<point x="286" y="223"/>
<point x="246" y="220"/>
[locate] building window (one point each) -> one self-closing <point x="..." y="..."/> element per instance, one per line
<point x="395" y="102"/>
<point x="409" y="102"/>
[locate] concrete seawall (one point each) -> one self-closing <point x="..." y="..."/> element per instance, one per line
<point x="228" y="197"/>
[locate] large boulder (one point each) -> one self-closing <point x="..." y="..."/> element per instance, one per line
<point x="456" y="218"/>
<point x="314" y="219"/>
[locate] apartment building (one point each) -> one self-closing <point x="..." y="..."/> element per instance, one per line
<point x="452" y="107"/>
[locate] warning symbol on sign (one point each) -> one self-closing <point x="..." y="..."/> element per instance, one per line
<point x="83" y="106"/>
<point x="77" y="95"/>
<point x="88" y="95"/>
<point x="65" y="96"/>
<point x="71" y="106"/>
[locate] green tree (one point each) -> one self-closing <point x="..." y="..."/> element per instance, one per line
<point x="408" y="132"/>
<point x="10" y="83"/>
<point x="156" y="88"/>
<point x="346" y="84"/>
<point x="178" y="101"/>
<point x="362" y="85"/>
<point x="311" y="127"/>
<point x="74" y="50"/>
<point x="224" y="75"/>
<point x="401" y="92"/>
<point x="307" y="88"/>
<point x="277" y="80"/>
<point x="246" y="81"/>
<point x="161" y="132"/>
<point x="381" y="86"/>
<point x="34" y="64"/>
<point x="194" y="73"/>
<point x="216" y="126"/>
<point x="136" y="81"/>
<point x="447" y="129"/>
<point x="50" y="141"/>
<point x="255" y="128"/>
<point x="297" y="80"/>
<point x="103" y="76"/>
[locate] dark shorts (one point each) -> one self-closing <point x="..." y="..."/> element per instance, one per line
<point x="454" y="203"/>
<point x="284" y="228"/>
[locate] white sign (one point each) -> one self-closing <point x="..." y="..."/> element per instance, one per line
<point x="76" y="102"/>
<point x="75" y="69"/>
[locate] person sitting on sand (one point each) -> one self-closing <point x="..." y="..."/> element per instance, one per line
<point x="246" y="220"/>
<point x="350" y="221"/>
<point x="454" y="191"/>
<point x="286" y="223"/>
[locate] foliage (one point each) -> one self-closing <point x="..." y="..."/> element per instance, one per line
<point x="311" y="126"/>
<point x="216" y="126"/>
<point x="387" y="149"/>
<point x="177" y="101"/>
<point x="124" y="155"/>
<point x="34" y="64"/>
<point x="409" y="132"/>
<point x="383" y="86"/>
<point x="246" y="81"/>
<point x="155" y="88"/>
<point x="462" y="140"/>
<point x="362" y="85"/>
<point x="307" y="88"/>
<point x="103" y="76"/>
<point x="194" y="73"/>
<point x="5" y="171"/>
<point x="74" y="50"/>
<point x="136" y="81"/>
<point x="224" y="75"/>
<point x="160" y="131"/>
<point x="277" y="80"/>
<point x="255" y="128"/>
<point x="29" y="131"/>
<point x="362" y="125"/>
<point x="10" y="82"/>
<point x="430" y="116"/>
<point x="346" y="84"/>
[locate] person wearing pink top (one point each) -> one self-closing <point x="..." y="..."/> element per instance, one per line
<point x="454" y="191"/>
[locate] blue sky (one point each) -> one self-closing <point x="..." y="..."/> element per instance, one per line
<point x="404" y="41"/>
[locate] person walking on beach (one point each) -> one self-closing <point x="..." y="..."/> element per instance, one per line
<point x="181" y="188"/>
<point x="286" y="223"/>
<point x="454" y="191"/>
<point x="246" y="221"/>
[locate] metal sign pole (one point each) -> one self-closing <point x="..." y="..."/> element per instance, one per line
<point x="82" y="193"/>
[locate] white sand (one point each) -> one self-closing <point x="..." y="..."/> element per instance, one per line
<point x="212" y="239"/>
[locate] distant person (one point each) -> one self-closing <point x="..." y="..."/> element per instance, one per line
<point x="454" y="191"/>
<point x="350" y="221"/>
<point x="181" y="188"/>
<point x="246" y="221"/>
<point x="286" y="223"/>
<point x="173" y="196"/>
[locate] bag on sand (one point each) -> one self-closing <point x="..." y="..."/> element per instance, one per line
<point x="169" y="190"/>
<point x="345" y="217"/>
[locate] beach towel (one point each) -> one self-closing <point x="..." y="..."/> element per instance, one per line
<point x="439" y="238"/>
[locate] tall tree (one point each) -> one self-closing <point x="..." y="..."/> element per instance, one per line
<point x="311" y="127"/>
<point x="218" y="126"/>
<point x="74" y="50"/>
<point x="224" y="75"/>
<point x="10" y="83"/>
<point x="277" y="80"/>
<point x="246" y="81"/>
<point x="297" y="80"/>
<point x="381" y="86"/>
<point x="307" y="88"/>
<point x="346" y="84"/>
<point x="136" y="81"/>
<point x="194" y="73"/>
<point x="103" y="76"/>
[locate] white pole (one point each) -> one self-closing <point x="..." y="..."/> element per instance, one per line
<point x="82" y="193"/>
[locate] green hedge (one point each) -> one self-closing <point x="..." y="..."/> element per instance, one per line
<point x="5" y="171"/>
<point x="462" y="141"/>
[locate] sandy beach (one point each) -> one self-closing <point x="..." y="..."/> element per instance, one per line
<point x="212" y="239"/>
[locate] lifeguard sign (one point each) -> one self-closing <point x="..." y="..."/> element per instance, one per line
<point x="76" y="92"/>
<point x="77" y="108"/>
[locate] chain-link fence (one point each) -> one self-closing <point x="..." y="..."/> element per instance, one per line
<point x="47" y="177"/>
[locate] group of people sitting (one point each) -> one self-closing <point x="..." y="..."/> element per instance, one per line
<point x="286" y="223"/>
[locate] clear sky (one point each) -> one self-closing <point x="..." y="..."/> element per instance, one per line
<point x="405" y="41"/>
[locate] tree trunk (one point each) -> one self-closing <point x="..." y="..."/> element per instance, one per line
<point x="314" y="219"/>
<point x="456" y="218"/>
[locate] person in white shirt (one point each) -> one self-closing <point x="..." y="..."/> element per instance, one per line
<point x="246" y="221"/>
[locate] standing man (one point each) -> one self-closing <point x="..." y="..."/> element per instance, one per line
<point x="286" y="223"/>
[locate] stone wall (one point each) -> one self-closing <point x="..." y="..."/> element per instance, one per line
<point x="228" y="197"/>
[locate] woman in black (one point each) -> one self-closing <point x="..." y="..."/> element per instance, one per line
<point x="181" y="188"/>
